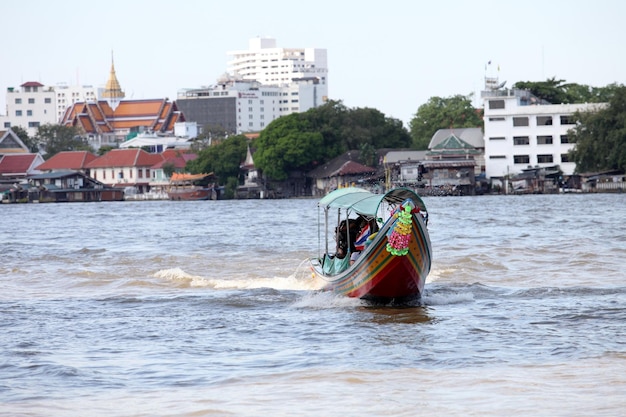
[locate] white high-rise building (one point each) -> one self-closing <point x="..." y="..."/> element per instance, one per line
<point x="261" y="84"/>
<point x="270" y="65"/>
<point x="521" y="131"/>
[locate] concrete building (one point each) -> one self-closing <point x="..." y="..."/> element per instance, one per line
<point x="264" y="62"/>
<point x="245" y="106"/>
<point x="67" y="95"/>
<point x="34" y="104"/>
<point x="261" y="84"/>
<point x="521" y="131"/>
<point x="30" y="106"/>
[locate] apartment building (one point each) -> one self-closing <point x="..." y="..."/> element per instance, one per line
<point x="268" y="64"/>
<point x="260" y="85"/>
<point x="34" y="104"/>
<point x="522" y="131"/>
<point x="245" y="106"/>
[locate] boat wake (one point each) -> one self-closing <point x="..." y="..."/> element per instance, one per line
<point x="296" y="281"/>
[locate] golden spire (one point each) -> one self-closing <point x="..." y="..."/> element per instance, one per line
<point x="113" y="91"/>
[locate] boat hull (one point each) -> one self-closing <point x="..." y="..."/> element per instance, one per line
<point x="190" y="195"/>
<point x="380" y="275"/>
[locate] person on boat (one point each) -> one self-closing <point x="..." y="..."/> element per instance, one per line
<point x="368" y="228"/>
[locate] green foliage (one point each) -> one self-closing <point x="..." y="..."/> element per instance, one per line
<point x="302" y="141"/>
<point x="59" y="138"/>
<point x="442" y="113"/>
<point x="559" y="92"/>
<point x="104" y="149"/>
<point x="210" y="135"/>
<point x="30" y="143"/>
<point x="287" y="144"/>
<point x="168" y="169"/>
<point x="600" y="136"/>
<point x="230" y="189"/>
<point x="223" y="159"/>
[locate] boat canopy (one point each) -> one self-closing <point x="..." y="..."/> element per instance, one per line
<point x="365" y="202"/>
<point x="181" y="176"/>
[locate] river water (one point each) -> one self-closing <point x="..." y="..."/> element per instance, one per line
<point x="162" y="308"/>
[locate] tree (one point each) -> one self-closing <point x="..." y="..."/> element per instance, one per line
<point x="168" y="169"/>
<point x="288" y="144"/>
<point x="442" y="113"/>
<point x="600" y="136"/>
<point x="223" y="159"/>
<point x="59" y="138"/>
<point x="559" y="92"/>
<point x="104" y="149"/>
<point x="30" y="143"/>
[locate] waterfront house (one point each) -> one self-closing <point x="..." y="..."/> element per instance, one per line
<point x="69" y="186"/>
<point x="124" y="168"/>
<point x="16" y="167"/>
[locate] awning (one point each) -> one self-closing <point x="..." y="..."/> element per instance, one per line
<point x="365" y="202"/>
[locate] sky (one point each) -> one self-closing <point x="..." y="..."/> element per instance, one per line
<point x="389" y="55"/>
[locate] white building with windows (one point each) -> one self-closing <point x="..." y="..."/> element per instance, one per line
<point x="260" y="85"/>
<point x="34" y="104"/>
<point x="269" y="65"/>
<point x="521" y="132"/>
<point x="245" y="106"/>
<point x="67" y="95"/>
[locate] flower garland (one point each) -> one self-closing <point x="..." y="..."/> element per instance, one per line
<point x="399" y="238"/>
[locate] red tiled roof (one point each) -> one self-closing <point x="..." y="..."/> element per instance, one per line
<point x="179" y="160"/>
<point x="31" y="84"/>
<point x="125" y="158"/>
<point x="68" y="160"/>
<point x="351" y="167"/>
<point x="11" y="164"/>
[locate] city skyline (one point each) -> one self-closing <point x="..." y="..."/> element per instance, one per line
<point x="393" y="58"/>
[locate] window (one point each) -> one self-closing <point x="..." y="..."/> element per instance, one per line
<point x="29" y="112"/>
<point x="497" y="157"/>
<point x="564" y="139"/>
<point x="544" y="120"/>
<point x="104" y="174"/>
<point x="496" y="104"/>
<point x="567" y="120"/>
<point x="564" y="157"/>
<point x="140" y="173"/>
<point x="498" y="138"/>
<point x="18" y="101"/>
<point x="545" y="159"/>
<point x="47" y="100"/>
<point x="18" y="112"/>
<point x="544" y="140"/>
<point x="521" y="159"/>
<point x="33" y="124"/>
<point x="497" y="119"/>
<point x="7" y="124"/>
<point x="147" y="172"/>
<point x="520" y="121"/>
<point x="521" y="140"/>
<point x="31" y="101"/>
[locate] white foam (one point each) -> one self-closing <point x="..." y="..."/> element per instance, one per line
<point x="325" y="300"/>
<point x="445" y="299"/>
<point x="292" y="282"/>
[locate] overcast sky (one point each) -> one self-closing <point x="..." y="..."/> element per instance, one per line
<point x="389" y="55"/>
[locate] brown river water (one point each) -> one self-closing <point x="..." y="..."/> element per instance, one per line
<point x="162" y="308"/>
